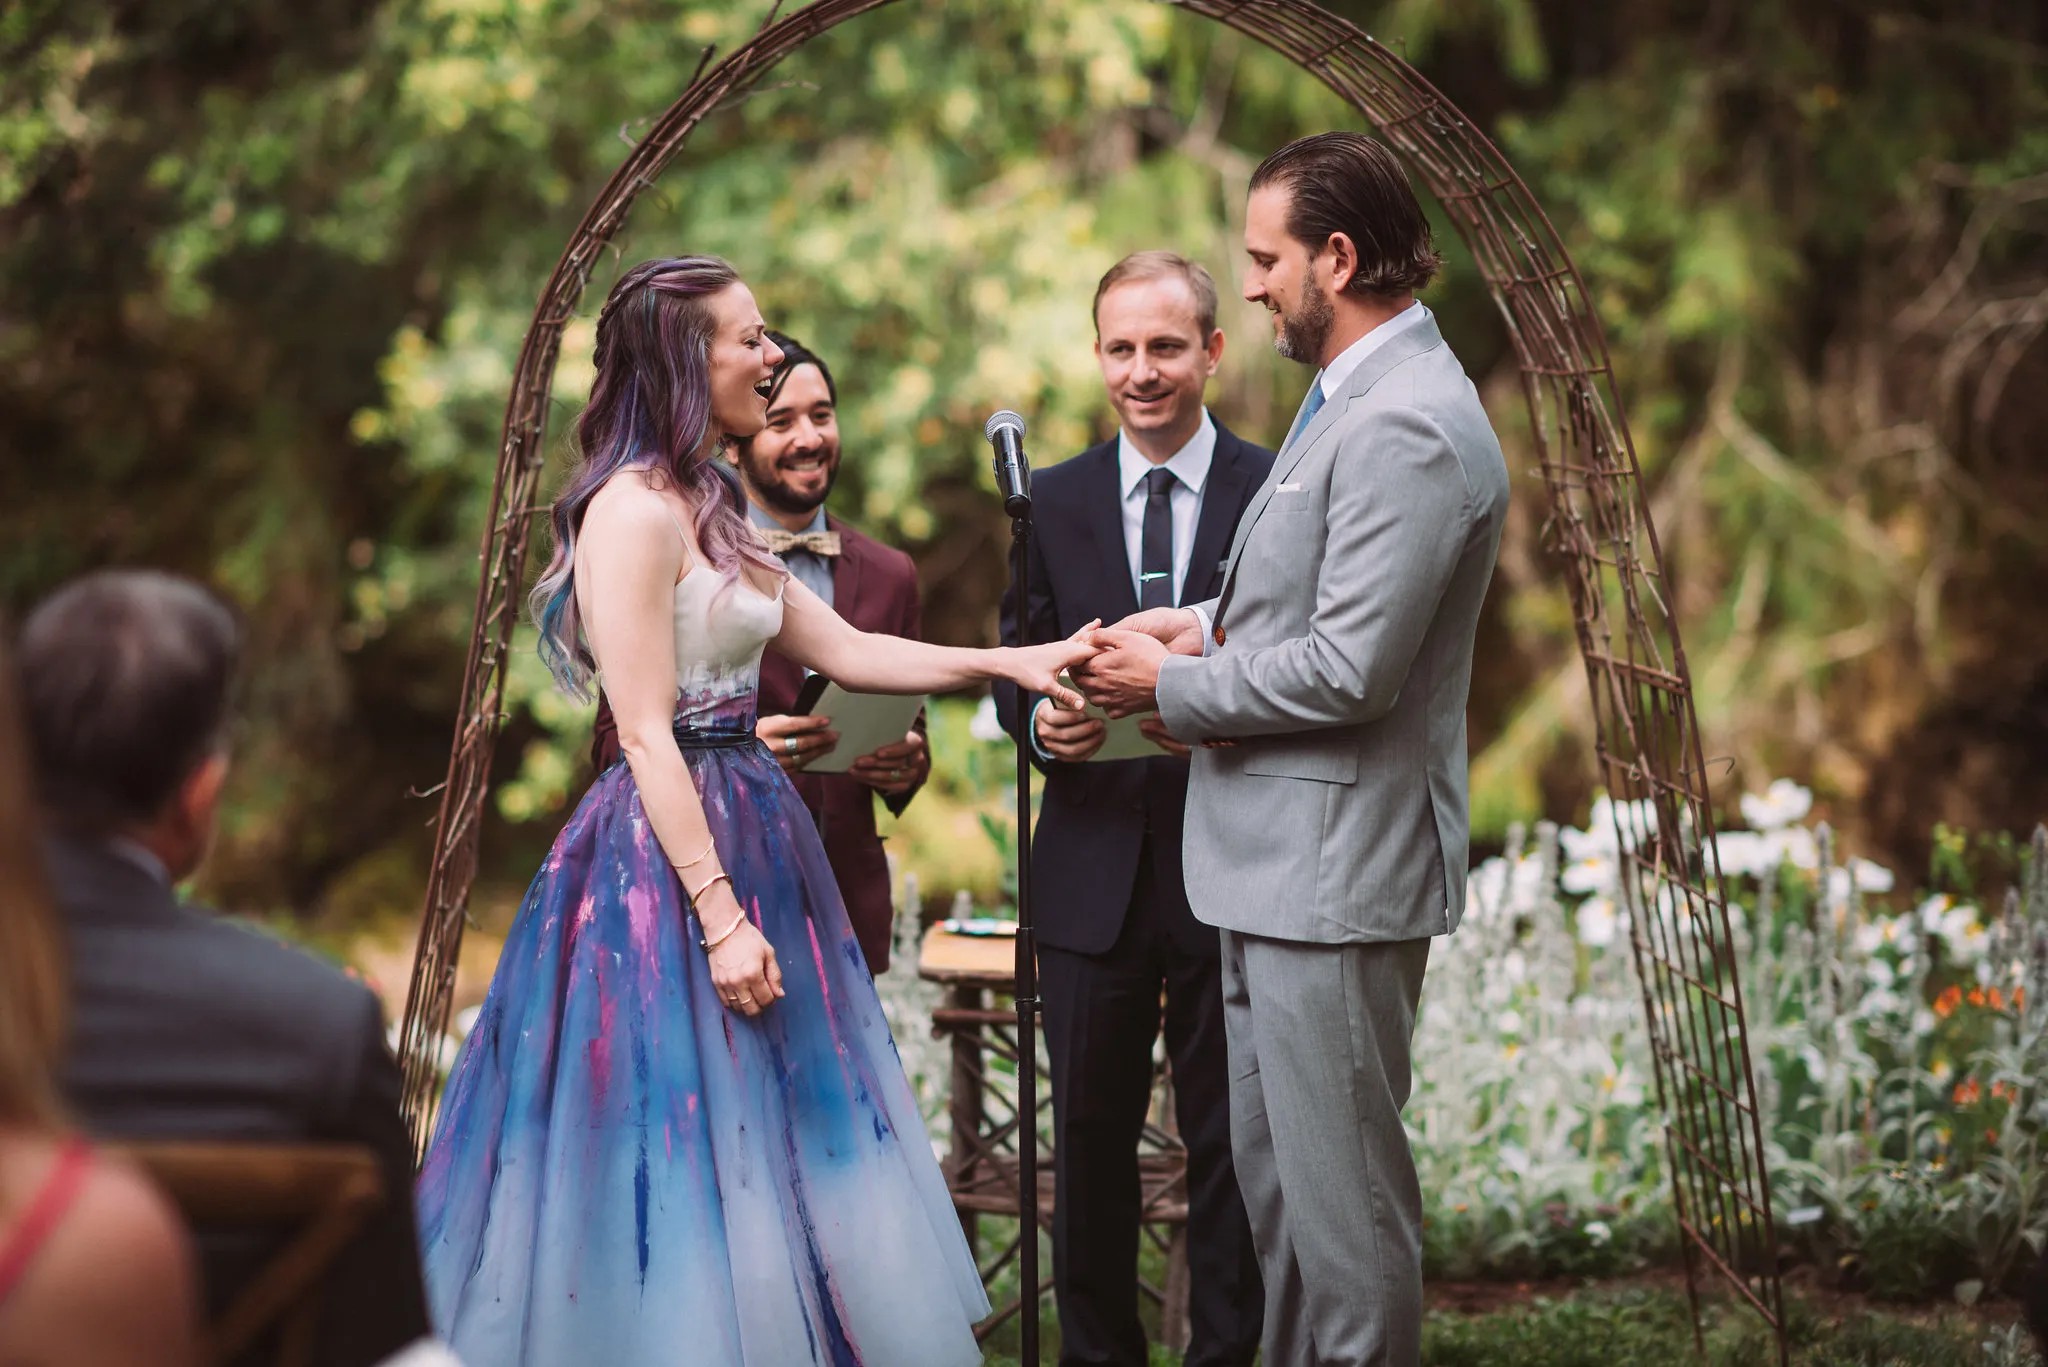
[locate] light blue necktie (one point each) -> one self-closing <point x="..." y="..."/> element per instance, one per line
<point x="1308" y="411"/>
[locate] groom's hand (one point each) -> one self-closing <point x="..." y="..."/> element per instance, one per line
<point x="1178" y="629"/>
<point x="1155" y="731"/>
<point x="1124" y="679"/>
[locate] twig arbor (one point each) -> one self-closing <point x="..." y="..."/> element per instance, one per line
<point x="1599" y="530"/>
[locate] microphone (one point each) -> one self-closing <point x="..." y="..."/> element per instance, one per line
<point x="1005" y="432"/>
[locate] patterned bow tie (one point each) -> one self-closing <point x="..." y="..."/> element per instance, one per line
<point x="817" y="543"/>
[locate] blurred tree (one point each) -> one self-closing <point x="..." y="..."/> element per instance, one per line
<point x="265" y="268"/>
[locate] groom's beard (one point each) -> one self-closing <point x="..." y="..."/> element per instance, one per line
<point x="1303" y="332"/>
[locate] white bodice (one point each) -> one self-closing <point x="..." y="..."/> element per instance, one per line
<point x="719" y="639"/>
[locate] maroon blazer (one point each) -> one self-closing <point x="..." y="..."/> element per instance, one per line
<point x="874" y="587"/>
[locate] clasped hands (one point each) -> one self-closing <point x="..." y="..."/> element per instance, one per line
<point x="1121" y="678"/>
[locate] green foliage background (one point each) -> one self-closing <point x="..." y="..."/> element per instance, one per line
<point x="266" y="267"/>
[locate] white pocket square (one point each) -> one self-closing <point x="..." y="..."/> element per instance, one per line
<point x="1288" y="489"/>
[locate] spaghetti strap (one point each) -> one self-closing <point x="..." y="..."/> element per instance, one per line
<point x="44" y="1214"/>
<point x="687" y="545"/>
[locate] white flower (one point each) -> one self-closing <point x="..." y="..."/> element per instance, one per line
<point x="1598" y="1231"/>
<point x="1744" y="854"/>
<point x="1871" y="936"/>
<point x="1576" y="845"/>
<point x="1596" y="873"/>
<point x="985" y="726"/>
<point x="1508" y="1022"/>
<point x="1860" y="874"/>
<point x="1793" y="845"/>
<point x="1780" y="805"/>
<point x="1597" y="922"/>
<point x="1871" y="877"/>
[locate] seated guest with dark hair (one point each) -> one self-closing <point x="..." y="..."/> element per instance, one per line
<point x="186" y="1026"/>
<point x="93" y="1262"/>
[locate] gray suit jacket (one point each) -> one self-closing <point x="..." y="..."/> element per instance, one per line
<point x="1349" y="610"/>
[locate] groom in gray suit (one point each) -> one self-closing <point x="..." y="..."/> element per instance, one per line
<point x="1327" y="685"/>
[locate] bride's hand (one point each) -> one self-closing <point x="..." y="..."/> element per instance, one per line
<point x="743" y="966"/>
<point x="1037" y="669"/>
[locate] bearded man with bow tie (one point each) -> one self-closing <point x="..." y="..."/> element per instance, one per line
<point x="787" y="471"/>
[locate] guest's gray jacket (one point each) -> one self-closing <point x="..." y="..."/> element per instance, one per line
<point x="186" y="1026"/>
<point x="1348" y="613"/>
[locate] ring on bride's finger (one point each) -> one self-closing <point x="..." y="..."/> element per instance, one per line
<point x="789" y="744"/>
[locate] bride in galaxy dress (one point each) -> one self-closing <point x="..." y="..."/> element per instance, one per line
<point x="679" y="1132"/>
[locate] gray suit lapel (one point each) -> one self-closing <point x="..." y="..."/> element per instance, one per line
<point x="1410" y="343"/>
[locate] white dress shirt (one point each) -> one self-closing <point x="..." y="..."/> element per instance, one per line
<point x="1190" y="469"/>
<point x="1338" y="372"/>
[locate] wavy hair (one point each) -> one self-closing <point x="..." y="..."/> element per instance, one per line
<point x="34" y="978"/>
<point x="650" y="409"/>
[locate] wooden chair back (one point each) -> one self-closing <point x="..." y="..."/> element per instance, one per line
<point x="316" y="1195"/>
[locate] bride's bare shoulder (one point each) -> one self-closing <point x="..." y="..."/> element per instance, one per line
<point x="629" y="505"/>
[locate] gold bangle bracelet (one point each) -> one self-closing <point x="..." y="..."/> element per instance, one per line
<point x="709" y="846"/>
<point x="723" y="935"/>
<point x="721" y="876"/>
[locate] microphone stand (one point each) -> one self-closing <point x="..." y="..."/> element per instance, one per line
<point x="1026" y="996"/>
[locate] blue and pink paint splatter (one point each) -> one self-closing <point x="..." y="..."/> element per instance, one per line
<point x="627" y="1173"/>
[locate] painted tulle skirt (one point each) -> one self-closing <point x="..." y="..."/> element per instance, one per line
<point x="626" y="1173"/>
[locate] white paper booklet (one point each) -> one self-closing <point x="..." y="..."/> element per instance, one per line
<point x="1121" y="739"/>
<point x="865" y="721"/>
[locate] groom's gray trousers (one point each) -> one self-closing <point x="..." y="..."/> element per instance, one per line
<point x="1318" y="1038"/>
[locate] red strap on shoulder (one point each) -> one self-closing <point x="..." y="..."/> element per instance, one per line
<point x="44" y="1213"/>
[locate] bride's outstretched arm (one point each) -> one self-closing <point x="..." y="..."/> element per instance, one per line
<point x="867" y="662"/>
<point x="627" y="565"/>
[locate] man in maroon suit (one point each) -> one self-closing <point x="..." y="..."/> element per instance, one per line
<point x="787" y="471"/>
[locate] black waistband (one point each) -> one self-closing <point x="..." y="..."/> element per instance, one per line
<point x="712" y="738"/>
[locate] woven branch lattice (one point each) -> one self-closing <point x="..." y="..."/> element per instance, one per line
<point x="1599" y="530"/>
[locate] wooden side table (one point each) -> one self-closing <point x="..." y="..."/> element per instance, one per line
<point x="981" y="1166"/>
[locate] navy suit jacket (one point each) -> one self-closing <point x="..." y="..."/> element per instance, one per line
<point x="1094" y="818"/>
<point x="187" y="1026"/>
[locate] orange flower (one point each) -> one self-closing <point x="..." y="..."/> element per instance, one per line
<point x="1991" y="1138"/>
<point x="1997" y="999"/>
<point x="2019" y="999"/>
<point x="1967" y="1091"/>
<point x="1976" y="996"/>
<point x="1951" y="997"/>
<point x="2005" y="1091"/>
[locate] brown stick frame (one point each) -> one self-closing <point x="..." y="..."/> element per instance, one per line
<point x="1599" y="529"/>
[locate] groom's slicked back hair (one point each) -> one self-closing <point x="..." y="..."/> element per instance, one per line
<point x="127" y="680"/>
<point x="1351" y="184"/>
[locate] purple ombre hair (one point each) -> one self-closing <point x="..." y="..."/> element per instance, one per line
<point x="650" y="409"/>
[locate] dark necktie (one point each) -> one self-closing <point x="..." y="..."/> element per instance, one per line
<point x="1155" y="546"/>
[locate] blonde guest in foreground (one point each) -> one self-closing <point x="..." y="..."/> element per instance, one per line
<point x="679" y="1130"/>
<point x="94" y="1264"/>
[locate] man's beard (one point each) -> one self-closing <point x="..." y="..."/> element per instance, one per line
<point x="1303" y="332"/>
<point x="778" y="495"/>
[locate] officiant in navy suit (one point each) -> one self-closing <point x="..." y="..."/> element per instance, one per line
<point x="1142" y="520"/>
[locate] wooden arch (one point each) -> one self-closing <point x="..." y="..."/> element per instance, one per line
<point x="1599" y="529"/>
